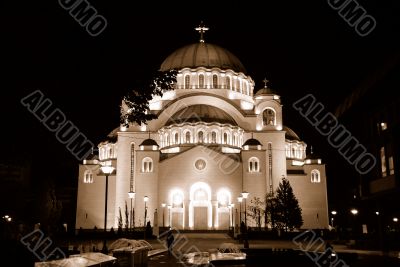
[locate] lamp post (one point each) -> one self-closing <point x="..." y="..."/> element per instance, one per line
<point x="245" y="195"/>
<point x="163" y="213"/>
<point x="146" y="198"/>
<point x="240" y="199"/>
<point x="354" y="212"/>
<point x="232" y="206"/>
<point x="107" y="170"/>
<point x="169" y="215"/>
<point x="333" y="212"/>
<point x="131" y="195"/>
<point x="246" y="240"/>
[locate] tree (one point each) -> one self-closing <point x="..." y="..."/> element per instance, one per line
<point x="135" y="105"/>
<point x="288" y="209"/>
<point x="126" y="217"/>
<point x="120" y="223"/>
<point x="256" y="211"/>
<point x="271" y="211"/>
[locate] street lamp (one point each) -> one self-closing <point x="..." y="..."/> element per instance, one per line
<point x="240" y="199"/>
<point x="146" y="198"/>
<point x="354" y="211"/>
<point x="232" y="206"/>
<point x="163" y="205"/>
<point x="333" y="212"/>
<point x="169" y="215"/>
<point x="131" y="195"/>
<point x="107" y="170"/>
<point x="245" y="195"/>
<point x="395" y="219"/>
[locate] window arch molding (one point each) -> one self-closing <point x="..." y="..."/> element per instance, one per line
<point x="147" y="164"/>
<point x="315" y="176"/>
<point x="254" y="164"/>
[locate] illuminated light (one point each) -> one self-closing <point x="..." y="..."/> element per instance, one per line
<point x="308" y="161"/>
<point x="163" y="205"/>
<point x="171" y="150"/>
<point x="297" y="163"/>
<point x="107" y="169"/>
<point x="333" y="255"/>
<point x="245" y="194"/>
<point x="246" y="147"/>
<point x="377" y="212"/>
<point x="395" y="219"/>
<point x="276" y="97"/>
<point x="6" y="216"/>
<point x="333" y="212"/>
<point x="223" y="197"/>
<point x="145" y="198"/>
<point x="230" y="150"/>
<point x="179" y="74"/>
<point x="155" y="147"/>
<point x="354" y="211"/>
<point x="383" y="126"/>
<point x="258" y="127"/>
<point x="9" y="219"/>
<point x="143" y="127"/>
<point x="279" y="127"/>
<point x="258" y="147"/>
<point x="240" y="199"/>
<point x="123" y="128"/>
<point x="169" y="95"/>
<point x="131" y="194"/>
<point x="246" y="105"/>
<point x="319" y="161"/>
<point x="257" y="111"/>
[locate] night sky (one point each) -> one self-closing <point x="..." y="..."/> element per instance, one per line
<point x="300" y="46"/>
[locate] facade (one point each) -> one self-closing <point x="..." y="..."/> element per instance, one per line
<point x="213" y="139"/>
<point x="371" y="113"/>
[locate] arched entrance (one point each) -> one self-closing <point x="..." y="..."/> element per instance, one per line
<point x="200" y="209"/>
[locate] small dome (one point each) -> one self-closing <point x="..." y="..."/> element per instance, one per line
<point x="252" y="142"/>
<point x="201" y="113"/>
<point x="265" y="91"/>
<point x="149" y="142"/>
<point x="202" y="55"/>
<point x="290" y="134"/>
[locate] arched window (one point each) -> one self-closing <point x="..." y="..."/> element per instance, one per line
<point x="254" y="164"/>
<point x="234" y="140"/>
<point x="187" y="82"/>
<point x="315" y="176"/>
<point x="213" y="137"/>
<point x="201" y="81"/>
<point x="225" y="138"/>
<point x="228" y="82"/>
<point x="200" y="137"/>
<point x="268" y="117"/>
<point x="147" y="165"/>
<point x="237" y="85"/>
<point x="177" y="199"/>
<point x="88" y="177"/>
<point x="215" y="81"/>
<point x="176" y="138"/>
<point x="187" y="137"/>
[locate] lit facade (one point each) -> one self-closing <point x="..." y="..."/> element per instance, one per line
<point x="213" y="139"/>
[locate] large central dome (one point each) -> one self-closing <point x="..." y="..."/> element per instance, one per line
<point x="202" y="55"/>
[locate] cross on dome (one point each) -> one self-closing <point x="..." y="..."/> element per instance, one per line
<point x="201" y="29"/>
<point x="265" y="81"/>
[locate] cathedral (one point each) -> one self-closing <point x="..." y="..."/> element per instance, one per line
<point x="215" y="148"/>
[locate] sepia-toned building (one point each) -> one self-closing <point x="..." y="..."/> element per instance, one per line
<point x="213" y="140"/>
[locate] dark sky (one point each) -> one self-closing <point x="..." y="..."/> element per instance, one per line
<point x="301" y="46"/>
